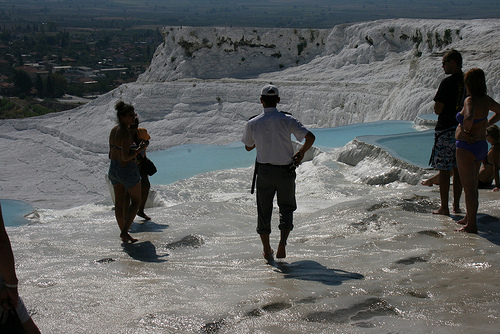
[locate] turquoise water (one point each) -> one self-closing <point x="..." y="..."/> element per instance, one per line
<point x="13" y="212"/>
<point x="185" y="161"/>
<point x="414" y="148"/>
<point x="182" y="162"/>
<point x="430" y="117"/>
<point x="339" y="136"/>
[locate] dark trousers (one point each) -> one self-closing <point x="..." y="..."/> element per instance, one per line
<point x="273" y="180"/>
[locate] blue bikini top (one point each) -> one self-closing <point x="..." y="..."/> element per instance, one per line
<point x="460" y="119"/>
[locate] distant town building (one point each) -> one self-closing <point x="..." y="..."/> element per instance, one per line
<point x="33" y="72"/>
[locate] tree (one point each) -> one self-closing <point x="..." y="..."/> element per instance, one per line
<point x="103" y="43"/>
<point x="5" y="36"/>
<point x="39" y="85"/>
<point x="64" y="38"/>
<point x="19" y="57"/>
<point x="60" y="84"/>
<point x="22" y="82"/>
<point x="49" y="88"/>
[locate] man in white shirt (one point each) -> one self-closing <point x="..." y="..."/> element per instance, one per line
<point x="270" y="132"/>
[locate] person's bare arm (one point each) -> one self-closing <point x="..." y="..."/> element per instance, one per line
<point x="125" y="140"/>
<point x="464" y="131"/>
<point x="438" y="107"/>
<point x="495" y="107"/>
<point x="310" y="138"/>
<point x="9" y="294"/>
<point x="495" y="160"/>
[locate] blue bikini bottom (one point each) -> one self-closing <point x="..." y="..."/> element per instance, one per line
<point x="479" y="148"/>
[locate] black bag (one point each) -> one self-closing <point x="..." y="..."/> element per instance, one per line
<point x="148" y="166"/>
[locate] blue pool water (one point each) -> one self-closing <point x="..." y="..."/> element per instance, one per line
<point x="429" y="117"/>
<point x="185" y="161"/>
<point x="414" y="148"/>
<point x="13" y="212"/>
<point x="339" y="136"/>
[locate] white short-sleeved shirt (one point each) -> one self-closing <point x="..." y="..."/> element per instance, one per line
<point x="271" y="132"/>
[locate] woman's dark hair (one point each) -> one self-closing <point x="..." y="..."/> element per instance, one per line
<point x="475" y="82"/>
<point x="122" y="109"/>
<point x="135" y="125"/>
<point x="494" y="132"/>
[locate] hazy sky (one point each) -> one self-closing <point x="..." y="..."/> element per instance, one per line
<point x="268" y="13"/>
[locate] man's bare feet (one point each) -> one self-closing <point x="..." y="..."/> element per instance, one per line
<point x="441" y="211"/>
<point x="268" y="255"/>
<point x="462" y="221"/>
<point x="143" y="215"/>
<point x="428" y="183"/>
<point x="126" y="238"/>
<point x="281" y="253"/>
<point x="457" y="210"/>
<point x="467" y="229"/>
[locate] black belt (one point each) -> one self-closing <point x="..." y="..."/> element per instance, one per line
<point x="290" y="167"/>
<point x="277" y="166"/>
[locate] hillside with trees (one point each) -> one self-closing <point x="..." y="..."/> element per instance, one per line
<point x="50" y="49"/>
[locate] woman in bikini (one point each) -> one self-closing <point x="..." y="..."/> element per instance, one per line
<point x="123" y="171"/>
<point x="471" y="143"/>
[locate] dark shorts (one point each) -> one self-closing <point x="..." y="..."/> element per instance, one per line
<point x="444" y="151"/>
<point x="128" y="176"/>
<point x="271" y="181"/>
<point x="144" y="177"/>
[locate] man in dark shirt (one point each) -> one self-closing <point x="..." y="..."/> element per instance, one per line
<point x="448" y="101"/>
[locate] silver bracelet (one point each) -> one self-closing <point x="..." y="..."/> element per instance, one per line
<point x="11" y="286"/>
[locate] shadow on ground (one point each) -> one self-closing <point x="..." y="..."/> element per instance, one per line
<point x="143" y="251"/>
<point x="147" y="226"/>
<point x="308" y="270"/>
<point x="488" y="227"/>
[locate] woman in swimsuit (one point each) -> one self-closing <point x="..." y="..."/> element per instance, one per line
<point x="471" y="142"/>
<point x="491" y="164"/>
<point x="123" y="172"/>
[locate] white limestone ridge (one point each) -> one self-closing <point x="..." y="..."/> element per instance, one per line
<point x="204" y="83"/>
<point x="193" y="93"/>
<point x="214" y="53"/>
<point x="375" y="166"/>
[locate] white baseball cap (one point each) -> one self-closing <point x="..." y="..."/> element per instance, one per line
<point x="270" y="90"/>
